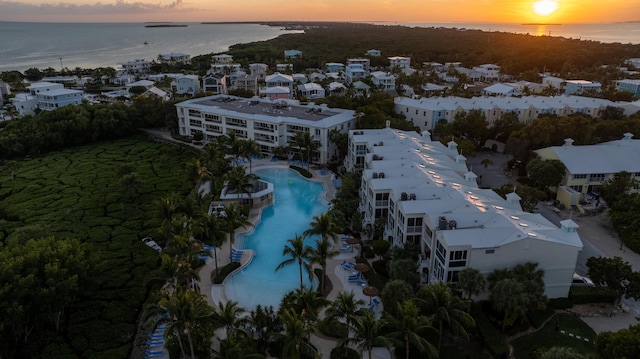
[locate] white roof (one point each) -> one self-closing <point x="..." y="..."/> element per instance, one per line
<point x="499" y="88"/>
<point x="58" y="92"/>
<point x="275" y="90"/>
<point x="607" y="157"/>
<point x="143" y="83"/>
<point x="310" y="86"/>
<point x="37" y="85"/>
<point x="278" y="77"/>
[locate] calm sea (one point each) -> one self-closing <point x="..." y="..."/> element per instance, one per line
<point x="90" y="45"/>
<point x="625" y="32"/>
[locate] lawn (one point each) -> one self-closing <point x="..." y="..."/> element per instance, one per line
<point x="548" y="337"/>
<point x="77" y="193"/>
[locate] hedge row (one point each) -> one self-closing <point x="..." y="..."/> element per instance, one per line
<point x="584" y="295"/>
<point x="225" y="271"/>
<point x="302" y="171"/>
<point x="492" y="339"/>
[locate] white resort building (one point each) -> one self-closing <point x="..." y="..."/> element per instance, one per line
<point x="271" y="124"/>
<point x="427" y="196"/>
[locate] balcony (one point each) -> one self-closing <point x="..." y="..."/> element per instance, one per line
<point x="423" y="261"/>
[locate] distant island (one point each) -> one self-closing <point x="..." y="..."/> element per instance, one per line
<point x="165" y="25"/>
<point x="540" y="23"/>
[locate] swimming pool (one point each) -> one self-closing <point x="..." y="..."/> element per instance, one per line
<point x="296" y="201"/>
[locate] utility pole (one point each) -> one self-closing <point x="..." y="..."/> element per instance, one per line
<point x="61" y="67"/>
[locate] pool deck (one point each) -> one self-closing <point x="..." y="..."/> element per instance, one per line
<point x="338" y="276"/>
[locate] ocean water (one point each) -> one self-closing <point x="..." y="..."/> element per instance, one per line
<point x="622" y="32"/>
<point x="90" y="45"/>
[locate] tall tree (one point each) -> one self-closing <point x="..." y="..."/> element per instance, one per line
<point x="612" y="272"/>
<point x="233" y="218"/>
<point x="239" y="182"/>
<point x="346" y="307"/>
<point x="446" y="309"/>
<point x="307" y="144"/>
<point x="209" y="230"/>
<point x="471" y="281"/>
<point x="229" y="315"/>
<point x="295" y="339"/>
<point x="299" y="253"/>
<point x="408" y="327"/>
<point x="248" y="149"/>
<point x="508" y="296"/>
<point x="325" y="227"/>
<point x="367" y="332"/>
<point x="545" y="173"/>
<point x="305" y="301"/>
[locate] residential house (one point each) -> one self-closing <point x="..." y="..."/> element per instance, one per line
<point x="136" y="67"/>
<point x="299" y="78"/>
<point x="311" y="90"/>
<point x="366" y="63"/>
<point x="355" y="72"/>
<point x="65" y="80"/>
<point x="488" y="72"/>
<point x="580" y="87"/>
<point x="628" y="85"/>
<point x="589" y="166"/>
<point x="5" y="89"/>
<point x="383" y="80"/>
<point x="361" y="89"/>
<point x="431" y="89"/>
<point x="259" y="71"/>
<point x="279" y="80"/>
<point x="500" y="89"/>
<point x="222" y="59"/>
<point x="24" y="103"/>
<point x="247" y="82"/>
<point x="316" y="77"/>
<point x="336" y="89"/>
<point x="424" y="192"/>
<point x="553" y="82"/>
<point x="433" y="67"/>
<point x="276" y="93"/>
<point x="215" y="84"/>
<point x="175" y="58"/>
<point x="271" y="124"/>
<point x="292" y="54"/>
<point x="374" y="53"/>
<point x="187" y="85"/>
<point x="142" y="83"/>
<point x="334" y="67"/>
<point x="399" y="62"/>
<point x="157" y="93"/>
<point x="284" y="67"/>
<point x="50" y="96"/>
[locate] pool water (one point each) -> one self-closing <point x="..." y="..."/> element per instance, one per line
<point x="296" y="201"/>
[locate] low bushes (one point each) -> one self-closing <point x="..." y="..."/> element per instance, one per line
<point x="584" y="295"/>
<point x="302" y="171"/>
<point x="333" y="328"/>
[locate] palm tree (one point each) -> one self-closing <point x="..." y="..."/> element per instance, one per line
<point x="306" y="144"/>
<point x="346" y="307"/>
<point x="197" y="172"/>
<point x="326" y="228"/>
<point x="367" y="331"/>
<point x="471" y="281"/>
<point x="236" y="347"/>
<point x="187" y="311"/>
<point x="508" y="297"/>
<point x="296" y="336"/>
<point x="209" y="231"/>
<point x="305" y="301"/>
<point x="228" y="315"/>
<point x="299" y="253"/>
<point x="446" y="308"/>
<point x="249" y="148"/>
<point x="232" y="219"/>
<point x="240" y="182"/>
<point x="408" y="328"/>
<point x="175" y="270"/>
<point x="323" y="251"/>
<point x="167" y="207"/>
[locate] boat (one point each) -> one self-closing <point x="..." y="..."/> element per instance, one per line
<point x="146" y="42"/>
<point x="152" y="244"/>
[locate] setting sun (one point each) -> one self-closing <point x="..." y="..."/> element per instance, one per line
<point x="545" y="7"/>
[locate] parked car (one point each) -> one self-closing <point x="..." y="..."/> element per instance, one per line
<point x="582" y="281"/>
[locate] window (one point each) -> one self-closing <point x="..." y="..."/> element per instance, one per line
<point x="489" y="251"/>
<point x="452" y="276"/>
<point x="579" y="176"/>
<point x="441" y="253"/>
<point x="576" y="188"/>
<point x="457" y="259"/>
<point x="317" y="132"/>
<point x="597" y="177"/>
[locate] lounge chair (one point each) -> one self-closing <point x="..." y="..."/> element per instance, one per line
<point x="156" y="336"/>
<point x="362" y="282"/>
<point x="345" y="250"/>
<point x="376" y="301"/>
<point x="354" y="277"/>
<point x="348" y="265"/>
<point x="154" y="353"/>
<point x="155" y="343"/>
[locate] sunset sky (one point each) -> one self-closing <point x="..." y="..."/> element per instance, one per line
<point x="561" y="11"/>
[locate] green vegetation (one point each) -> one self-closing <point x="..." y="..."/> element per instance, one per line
<point x="550" y="336"/>
<point x="225" y="271"/>
<point x="77" y="194"/>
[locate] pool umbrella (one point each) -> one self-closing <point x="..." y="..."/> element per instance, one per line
<point x="361" y="267"/>
<point x="352" y="241"/>
<point x="370" y="292"/>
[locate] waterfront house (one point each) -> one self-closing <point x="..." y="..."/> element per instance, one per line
<point x="50" y="96"/>
<point x="222" y="59"/>
<point x="334" y="67"/>
<point x="361" y="89"/>
<point x="500" y="89"/>
<point x="383" y="80"/>
<point x="336" y="89"/>
<point x="215" y="83"/>
<point x="276" y="93"/>
<point x="488" y="72"/>
<point x="284" y="67"/>
<point x="136" y="67"/>
<point x="246" y="82"/>
<point x="271" y="124"/>
<point x="187" y="85"/>
<point x="279" y="80"/>
<point x="366" y="63"/>
<point x="175" y="58"/>
<point x="425" y="195"/>
<point x="355" y="72"/>
<point x="259" y="71"/>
